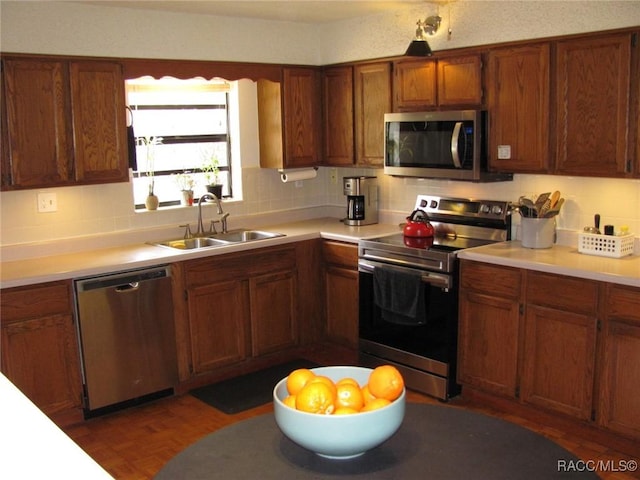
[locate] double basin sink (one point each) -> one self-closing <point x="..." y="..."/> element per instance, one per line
<point x="218" y="239"/>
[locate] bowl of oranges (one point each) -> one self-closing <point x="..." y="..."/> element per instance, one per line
<point x="340" y="412"/>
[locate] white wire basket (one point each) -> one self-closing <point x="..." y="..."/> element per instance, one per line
<point x="605" y="245"/>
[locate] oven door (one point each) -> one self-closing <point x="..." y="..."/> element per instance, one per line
<point x="424" y="352"/>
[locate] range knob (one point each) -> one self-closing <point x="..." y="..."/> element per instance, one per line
<point x="496" y="210"/>
<point x="484" y="208"/>
<point x="423" y="203"/>
<point x="433" y="204"/>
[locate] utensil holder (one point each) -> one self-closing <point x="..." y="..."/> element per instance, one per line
<point x="538" y="232"/>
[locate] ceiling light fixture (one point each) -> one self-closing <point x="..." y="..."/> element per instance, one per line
<point x="419" y="46"/>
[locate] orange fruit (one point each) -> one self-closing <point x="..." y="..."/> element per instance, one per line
<point x="375" y="404"/>
<point x="366" y="395"/>
<point x="386" y="382"/>
<point x="316" y="397"/>
<point x="345" y="411"/>
<point x="348" y="380"/>
<point x="290" y="401"/>
<point x="326" y="380"/>
<point x="349" y="396"/>
<point x="298" y="379"/>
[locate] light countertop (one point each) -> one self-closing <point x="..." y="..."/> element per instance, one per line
<point x="140" y="255"/>
<point x="561" y="260"/>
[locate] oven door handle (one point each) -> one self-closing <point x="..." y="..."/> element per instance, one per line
<point x="431" y="278"/>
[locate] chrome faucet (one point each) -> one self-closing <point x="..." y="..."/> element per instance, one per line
<point x="210" y="196"/>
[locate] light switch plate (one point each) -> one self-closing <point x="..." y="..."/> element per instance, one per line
<point x="47" y="202"/>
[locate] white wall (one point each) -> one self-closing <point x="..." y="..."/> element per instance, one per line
<point x="78" y="29"/>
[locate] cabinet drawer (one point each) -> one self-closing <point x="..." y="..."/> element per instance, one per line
<point x="338" y="253"/>
<point x="623" y="302"/>
<point x="23" y="303"/>
<point x="491" y="279"/>
<point x="565" y="293"/>
<point x="240" y="265"/>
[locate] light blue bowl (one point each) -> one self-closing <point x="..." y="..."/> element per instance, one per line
<point x="338" y="436"/>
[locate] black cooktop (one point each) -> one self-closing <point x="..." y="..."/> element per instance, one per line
<point x="437" y="243"/>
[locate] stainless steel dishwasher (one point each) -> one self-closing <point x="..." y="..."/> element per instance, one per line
<point x="127" y="336"/>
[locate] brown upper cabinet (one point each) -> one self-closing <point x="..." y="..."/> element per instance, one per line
<point x="518" y="86"/>
<point x="65" y="122"/>
<point x="337" y="89"/>
<point x="372" y="99"/>
<point x="430" y="83"/>
<point x="289" y="119"/>
<point x="592" y="105"/>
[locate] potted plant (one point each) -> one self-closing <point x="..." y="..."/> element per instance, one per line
<point x="185" y="183"/>
<point x="150" y="144"/>
<point x="211" y="169"/>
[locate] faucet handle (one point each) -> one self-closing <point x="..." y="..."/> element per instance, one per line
<point x="223" y="221"/>
<point x="187" y="232"/>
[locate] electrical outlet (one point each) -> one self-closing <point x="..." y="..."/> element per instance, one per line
<point x="334" y="176"/>
<point x="47" y="202"/>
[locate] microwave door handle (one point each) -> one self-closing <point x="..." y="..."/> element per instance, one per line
<point x="454" y="145"/>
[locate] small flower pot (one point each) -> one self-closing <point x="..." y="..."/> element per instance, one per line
<point x="187" y="198"/>
<point x="151" y="203"/>
<point x="215" y="189"/>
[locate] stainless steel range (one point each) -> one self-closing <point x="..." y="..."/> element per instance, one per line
<point x="409" y="291"/>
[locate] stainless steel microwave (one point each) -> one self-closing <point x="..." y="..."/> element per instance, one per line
<point x="448" y="145"/>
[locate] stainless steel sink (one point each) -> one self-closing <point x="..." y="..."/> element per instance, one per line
<point x="240" y="236"/>
<point x="192" y="243"/>
<point x="218" y="239"/>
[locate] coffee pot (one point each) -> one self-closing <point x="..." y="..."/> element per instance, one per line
<point x="362" y="200"/>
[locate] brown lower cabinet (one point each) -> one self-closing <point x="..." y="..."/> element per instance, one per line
<point x="618" y="405"/>
<point x="564" y="344"/>
<point x="341" y="291"/>
<point x="238" y="306"/>
<point x="40" y="350"/>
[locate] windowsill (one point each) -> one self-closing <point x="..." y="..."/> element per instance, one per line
<point x="225" y="201"/>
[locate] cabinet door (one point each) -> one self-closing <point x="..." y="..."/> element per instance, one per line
<point x="518" y="100"/>
<point x="618" y="406"/>
<point x="40" y="356"/>
<point x="302" y="117"/>
<point x="5" y="163"/>
<point x="273" y="312"/>
<point x="38" y="128"/>
<point x="488" y="343"/>
<point x="372" y="86"/>
<point x="592" y="105"/>
<point x="98" y="110"/>
<point x="414" y="84"/>
<point x="460" y="81"/>
<point x="559" y="356"/>
<point x="341" y="288"/>
<point x="218" y="316"/>
<point x="338" y="116"/>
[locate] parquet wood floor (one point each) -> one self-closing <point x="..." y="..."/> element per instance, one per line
<point x="134" y="444"/>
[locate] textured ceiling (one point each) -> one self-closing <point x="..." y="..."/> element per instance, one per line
<point x="304" y="11"/>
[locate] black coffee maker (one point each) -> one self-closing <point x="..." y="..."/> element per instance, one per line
<point x="362" y="200"/>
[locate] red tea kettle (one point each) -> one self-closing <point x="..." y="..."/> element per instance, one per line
<point x="418" y="225"/>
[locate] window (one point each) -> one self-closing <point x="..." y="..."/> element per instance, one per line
<point x="180" y="127"/>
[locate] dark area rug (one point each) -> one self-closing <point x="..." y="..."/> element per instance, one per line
<point x="247" y="391"/>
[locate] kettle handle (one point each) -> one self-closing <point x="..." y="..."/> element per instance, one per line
<point x="417" y="211"/>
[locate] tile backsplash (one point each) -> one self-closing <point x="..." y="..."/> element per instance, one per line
<point x="108" y="209"/>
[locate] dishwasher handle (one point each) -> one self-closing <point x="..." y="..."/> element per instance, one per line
<point x="129" y="287"/>
<point x="123" y="281"/>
